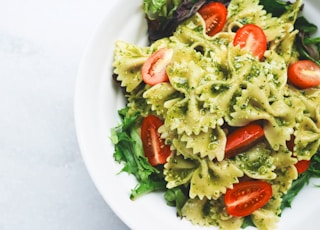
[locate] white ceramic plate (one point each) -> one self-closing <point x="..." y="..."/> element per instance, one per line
<point x="97" y="100"/>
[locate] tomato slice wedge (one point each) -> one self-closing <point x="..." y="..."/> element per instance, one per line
<point x="154" y="147"/>
<point x="154" y="69"/>
<point x="252" y="38"/>
<point x="304" y="74"/>
<point x="215" y="17"/>
<point x="246" y="197"/>
<point x="243" y="138"/>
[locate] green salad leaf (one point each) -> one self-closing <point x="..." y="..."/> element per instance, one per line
<point x="275" y="7"/>
<point x="247" y="222"/>
<point x="176" y="197"/>
<point x="307" y="46"/>
<point x="156" y="9"/>
<point x="129" y="150"/>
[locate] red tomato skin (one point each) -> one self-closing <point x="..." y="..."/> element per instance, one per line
<point x="246" y="197"/>
<point x="302" y="166"/>
<point x="154" y="147"/>
<point x="253" y="38"/>
<point x="304" y="74"/>
<point x="215" y="17"/>
<point x="243" y="138"/>
<point x="154" y="69"/>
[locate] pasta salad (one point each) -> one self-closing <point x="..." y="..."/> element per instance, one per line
<point x="218" y="115"/>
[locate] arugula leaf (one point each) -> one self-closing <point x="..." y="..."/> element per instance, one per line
<point x="275" y="7"/>
<point x="296" y="187"/>
<point x="129" y="150"/>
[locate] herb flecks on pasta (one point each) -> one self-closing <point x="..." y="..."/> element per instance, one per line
<point x="213" y="85"/>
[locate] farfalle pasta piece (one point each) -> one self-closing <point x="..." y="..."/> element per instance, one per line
<point x="211" y="179"/>
<point x="159" y="94"/>
<point x="257" y="163"/>
<point x="188" y="70"/>
<point x="194" y="210"/>
<point x="209" y="144"/>
<point x="264" y="219"/>
<point x="286" y="48"/>
<point x="310" y="99"/>
<point x="206" y="212"/>
<point x="179" y="170"/>
<point x="307" y="128"/>
<point x="283" y="158"/>
<point x="218" y="93"/>
<point x="307" y="139"/>
<point x="192" y="34"/>
<point x="128" y="60"/>
<point x="206" y="178"/>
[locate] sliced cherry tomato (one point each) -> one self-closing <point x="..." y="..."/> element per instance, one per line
<point x="215" y="17"/>
<point x="243" y="138"/>
<point x="154" y="68"/>
<point x="304" y="74"/>
<point x="154" y="147"/>
<point x="301" y="165"/>
<point x="246" y="197"/>
<point x="252" y="38"/>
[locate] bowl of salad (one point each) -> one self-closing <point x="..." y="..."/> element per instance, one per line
<point x="204" y="114"/>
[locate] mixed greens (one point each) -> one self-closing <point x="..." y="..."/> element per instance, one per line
<point x="128" y="150"/>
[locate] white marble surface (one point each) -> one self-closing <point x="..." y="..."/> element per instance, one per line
<point x="43" y="180"/>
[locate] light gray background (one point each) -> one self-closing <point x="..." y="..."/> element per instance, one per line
<point x="43" y="180"/>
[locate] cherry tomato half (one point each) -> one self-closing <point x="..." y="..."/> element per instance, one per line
<point x="252" y="38"/>
<point x="302" y="166"/>
<point x="246" y="197"/>
<point x="304" y="74"/>
<point x="215" y="17"/>
<point x="154" y="68"/>
<point x="154" y="147"/>
<point x="243" y="138"/>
